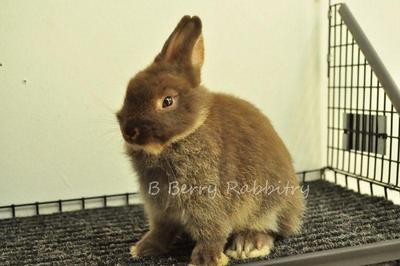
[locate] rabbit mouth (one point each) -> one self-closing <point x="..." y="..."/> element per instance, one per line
<point x="155" y="142"/>
<point x="137" y="135"/>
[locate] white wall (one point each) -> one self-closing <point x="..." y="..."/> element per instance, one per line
<point x="58" y="135"/>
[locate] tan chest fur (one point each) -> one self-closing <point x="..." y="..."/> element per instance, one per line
<point x="183" y="174"/>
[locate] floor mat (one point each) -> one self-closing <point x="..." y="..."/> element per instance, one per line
<point x="335" y="217"/>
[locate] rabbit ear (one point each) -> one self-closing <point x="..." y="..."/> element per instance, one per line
<point x="185" y="45"/>
<point x="197" y="57"/>
<point x="172" y="42"/>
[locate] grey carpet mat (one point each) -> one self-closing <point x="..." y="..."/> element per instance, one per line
<point x="336" y="217"/>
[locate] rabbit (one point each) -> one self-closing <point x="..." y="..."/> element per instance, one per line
<point x="200" y="156"/>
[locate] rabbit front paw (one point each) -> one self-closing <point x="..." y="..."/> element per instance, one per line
<point x="250" y="244"/>
<point x="208" y="255"/>
<point x="149" y="245"/>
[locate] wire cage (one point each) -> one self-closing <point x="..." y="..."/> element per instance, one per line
<point x="363" y="124"/>
<point x="363" y="139"/>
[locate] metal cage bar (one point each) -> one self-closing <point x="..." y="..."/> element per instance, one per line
<point x="36" y="206"/>
<point x="371" y="55"/>
<point x="367" y="254"/>
<point x="103" y="201"/>
<point x="363" y="137"/>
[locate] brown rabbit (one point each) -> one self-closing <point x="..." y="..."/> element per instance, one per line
<point x="200" y="157"/>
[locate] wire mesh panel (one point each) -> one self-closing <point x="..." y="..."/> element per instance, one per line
<point x="363" y="125"/>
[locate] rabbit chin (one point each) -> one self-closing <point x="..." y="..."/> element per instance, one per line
<point x="151" y="148"/>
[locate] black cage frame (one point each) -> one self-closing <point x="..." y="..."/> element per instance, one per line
<point x="355" y="90"/>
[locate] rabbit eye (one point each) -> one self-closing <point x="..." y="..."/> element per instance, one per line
<point x="168" y="101"/>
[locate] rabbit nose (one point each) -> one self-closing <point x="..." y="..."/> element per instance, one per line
<point x="130" y="133"/>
